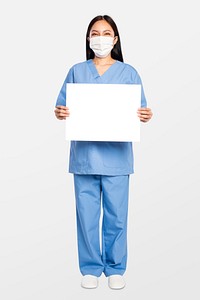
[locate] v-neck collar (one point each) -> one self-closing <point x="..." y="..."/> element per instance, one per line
<point x="94" y="71"/>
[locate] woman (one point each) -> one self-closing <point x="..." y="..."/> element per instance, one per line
<point x="101" y="169"/>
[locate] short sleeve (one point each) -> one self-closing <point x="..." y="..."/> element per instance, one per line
<point x="143" y="98"/>
<point x="61" y="99"/>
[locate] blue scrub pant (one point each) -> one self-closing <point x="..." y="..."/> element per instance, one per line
<point x="109" y="195"/>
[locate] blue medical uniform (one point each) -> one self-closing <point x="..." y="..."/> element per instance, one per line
<point x="101" y="177"/>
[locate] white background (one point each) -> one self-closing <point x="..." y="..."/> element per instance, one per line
<point x="40" y="40"/>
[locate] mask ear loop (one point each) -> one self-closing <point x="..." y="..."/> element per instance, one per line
<point x="115" y="38"/>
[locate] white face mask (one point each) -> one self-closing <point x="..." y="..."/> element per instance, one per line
<point x="101" y="45"/>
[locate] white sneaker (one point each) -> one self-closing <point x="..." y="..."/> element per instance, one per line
<point x="89" y="282"/>
<point x="116" y="282"/>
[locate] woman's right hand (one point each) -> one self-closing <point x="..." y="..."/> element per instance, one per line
<point x="61" y="112"/>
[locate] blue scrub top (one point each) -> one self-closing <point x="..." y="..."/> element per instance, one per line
<point x="101" y="158"/>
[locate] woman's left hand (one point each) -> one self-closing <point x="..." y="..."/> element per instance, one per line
<point x="145" y="114"/>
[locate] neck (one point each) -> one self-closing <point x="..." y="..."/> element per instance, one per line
<point x="108" y="60"/>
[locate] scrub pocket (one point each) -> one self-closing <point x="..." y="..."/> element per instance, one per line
<point x="78" y="155"/>
<point x="117" y="155"/>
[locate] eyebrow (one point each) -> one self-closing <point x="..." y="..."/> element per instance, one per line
<point x="107" y="30"/>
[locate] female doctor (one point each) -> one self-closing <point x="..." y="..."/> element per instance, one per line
<point x="101" y="169"/>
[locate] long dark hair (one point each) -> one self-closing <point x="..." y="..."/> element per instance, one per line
<point x="116" y="52"/>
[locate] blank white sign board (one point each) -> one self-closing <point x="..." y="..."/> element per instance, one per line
<point x="103" y="112"/>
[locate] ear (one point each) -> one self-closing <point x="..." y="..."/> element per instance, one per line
<point x="88" y="38"/>
<point x="115" y="39"/>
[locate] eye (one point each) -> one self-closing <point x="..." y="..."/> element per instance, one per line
<point x="94" y="34"/>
